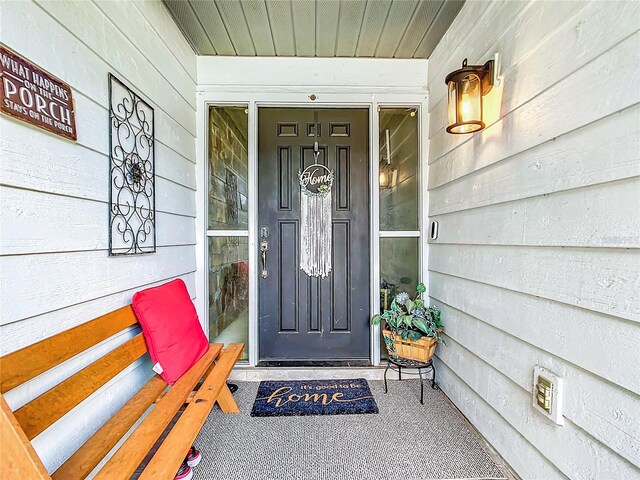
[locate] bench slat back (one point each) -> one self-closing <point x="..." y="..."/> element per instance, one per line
<point x="22" y="365"/>
<point x="39" y="414"/>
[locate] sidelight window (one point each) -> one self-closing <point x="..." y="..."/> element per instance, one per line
<point x="399" y="204"/>
<point x="228" y="224"/>
<point x="398" y="175"/>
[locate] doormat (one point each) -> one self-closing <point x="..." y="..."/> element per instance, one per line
<point x="313" y="397"/>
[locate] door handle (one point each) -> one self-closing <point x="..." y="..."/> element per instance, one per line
<point x="264" y="247"/>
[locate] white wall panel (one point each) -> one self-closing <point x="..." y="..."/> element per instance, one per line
<point x="56" y="272"/>
<point x="538" y="256"/>
<point x="121" y="54"/>
<point x="78" y="277"/>
<point x="551" y="326"/>
<point x="513" y="357"/>
<point x="45" y="223"/>
<point x="605" y="280"/>
<point x="78" y="64"/>
<point x="573" y="451"/>
<point x="542" y="120"/>
<point x="552" y="219"/>
<point x="514" y="448"/>
<point x="16" y="335"/>
<point x="600" y="152"/>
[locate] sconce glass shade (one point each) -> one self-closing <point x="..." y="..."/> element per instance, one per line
<point x="385" y="179"/>
<point x="387" y="176"/>
<point x="465" y="88"/>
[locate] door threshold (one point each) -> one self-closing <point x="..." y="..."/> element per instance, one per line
<point x="258" y="374"/>
<point x="314" y="363"/>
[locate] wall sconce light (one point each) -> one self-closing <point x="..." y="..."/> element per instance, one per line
<point x="466" y="87"/>
<point x="388" y="173"/>
<point x="384" y="179"/>
<point x="388" y="176"/>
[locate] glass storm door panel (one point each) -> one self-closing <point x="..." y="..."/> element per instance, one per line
<point x="304" y="318"/>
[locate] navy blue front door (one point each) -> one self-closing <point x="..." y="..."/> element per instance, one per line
<point x="302" y="318"/>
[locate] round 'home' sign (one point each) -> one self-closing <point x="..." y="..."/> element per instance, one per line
<point x="316" y="179"/>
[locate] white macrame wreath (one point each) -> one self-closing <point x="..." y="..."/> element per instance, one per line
<point x="315" y="216"/>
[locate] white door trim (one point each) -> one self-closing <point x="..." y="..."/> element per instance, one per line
<point x="251" y="98"/>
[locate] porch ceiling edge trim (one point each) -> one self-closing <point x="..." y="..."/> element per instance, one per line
<point x="335" y="74"/>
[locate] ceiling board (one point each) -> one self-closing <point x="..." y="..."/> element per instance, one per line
<point x="327" y="15"/>
<point x="280" y="19"/>
<point x="304" y="27"/>
<point x="375" y="16"/>
<point x="186" y="18"/>
<point x="255" y="12"/>
<point x="236" y="26"/>
<point x="395" y="27"/>
<point x="210" y="19"/>
<point x="417" y="28"/>
<point x="315" y="28"/>
<point x="349" y="24"/>
<point x="440" y="25"/>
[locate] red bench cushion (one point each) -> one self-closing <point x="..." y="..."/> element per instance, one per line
<point x="171" y="328"/>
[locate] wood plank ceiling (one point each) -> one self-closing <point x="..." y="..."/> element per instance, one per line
<point x="315" y="28"/>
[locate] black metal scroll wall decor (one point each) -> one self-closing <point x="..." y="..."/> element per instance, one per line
<point x="231" y="193"/>
<point x="132" y="208"/>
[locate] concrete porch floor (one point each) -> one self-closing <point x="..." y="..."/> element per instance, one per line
<point x="405" y="440"/>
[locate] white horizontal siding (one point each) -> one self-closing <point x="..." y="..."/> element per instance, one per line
<point x="506" y="439"/>
<point x="538" y="256"/>
<point x="600" y="152"/>
<point x="56" y="272"/>
<point x="555" y="327"/>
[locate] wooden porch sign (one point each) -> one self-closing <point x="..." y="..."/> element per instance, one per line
<point x="35" y="96"/>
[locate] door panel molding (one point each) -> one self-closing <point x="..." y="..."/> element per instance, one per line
<point x="341" y="287"/>
<point x="285" y="186"/>
<point x="288" y="283"/>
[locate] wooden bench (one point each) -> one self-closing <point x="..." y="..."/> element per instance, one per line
<point x="18" y="459"/>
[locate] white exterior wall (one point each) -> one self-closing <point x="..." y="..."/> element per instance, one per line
<point x="537" y="260"/>
<point x="56" y="272"/>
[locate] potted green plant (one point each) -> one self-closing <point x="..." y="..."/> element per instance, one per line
<point x="411" y="329"/>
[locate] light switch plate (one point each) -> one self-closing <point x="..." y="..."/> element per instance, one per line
<point x="555" y="414"/>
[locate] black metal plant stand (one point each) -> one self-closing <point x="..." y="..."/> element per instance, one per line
<point x="399" y="363"/>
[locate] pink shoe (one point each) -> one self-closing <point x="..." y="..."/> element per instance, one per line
<point x="193" y="457"/>
<point x="184" y="473"/>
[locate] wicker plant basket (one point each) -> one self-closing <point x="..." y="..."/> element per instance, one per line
<point x="420" y="350"/>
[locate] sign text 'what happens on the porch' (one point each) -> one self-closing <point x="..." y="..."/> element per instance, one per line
<point x="35" y="96"/>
